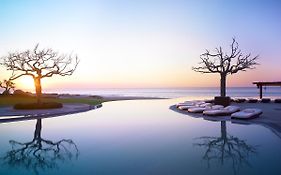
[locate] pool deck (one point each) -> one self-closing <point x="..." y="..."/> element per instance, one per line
<point x="10" y="115"/>
<point x="271" y="117"/>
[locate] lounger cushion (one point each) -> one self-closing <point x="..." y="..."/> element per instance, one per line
<point x="196" y="109"/>
<point x="232" y="109"/>
<point x="186" y="107"/>
<point x="216" y="107"/>
<point x="247" y="113"/>
<point x="190" y="103"/>
<point x="205" y="105"/>
<point x="240" y="100"/>
<point x="206" y="108"/>
<point x="222" y="112"/>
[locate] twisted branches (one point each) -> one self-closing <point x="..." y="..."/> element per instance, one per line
<point x="226" y="148"/>
<point x="7" y="85"/>
<point x="40" y="63"/>
<point x="40" y="154"/>
<point x="223" y="63"/>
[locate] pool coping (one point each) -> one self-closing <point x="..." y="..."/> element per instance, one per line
<point x="22" y="115"/>
<point x="267" y="123"/>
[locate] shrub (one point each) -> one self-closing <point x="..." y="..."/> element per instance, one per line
<point x="22" y="93"/>
<point x="30" y="106"/>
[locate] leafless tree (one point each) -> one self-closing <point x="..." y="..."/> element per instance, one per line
<point x="40" y="154"/>
<point x="225" y="64"/>
<point x="39" y="63"/>
<point x="7" y="85"/>
<point x="227" y="148"/>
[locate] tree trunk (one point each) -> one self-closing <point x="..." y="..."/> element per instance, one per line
<point x="223" y="85"/>
<point x="38" y="128"/>
<point x="38" y="88"/>
<point x="223" y="130"/>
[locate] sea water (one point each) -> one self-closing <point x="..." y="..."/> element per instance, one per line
<point x="270" y="92"/>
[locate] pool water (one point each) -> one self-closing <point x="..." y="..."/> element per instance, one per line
<point x="136" y="137"/>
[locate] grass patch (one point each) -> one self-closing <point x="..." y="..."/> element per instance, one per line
<point x="28" y="106"/>
<point x="12" y="100"/>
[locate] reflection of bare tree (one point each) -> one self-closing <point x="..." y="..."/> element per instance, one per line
<point x="40" y="153"/>
<point x="227" y="148"/>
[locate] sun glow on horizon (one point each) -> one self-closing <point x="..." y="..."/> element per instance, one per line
<point x="142" y="44"/>
<point x="25" y="83"/>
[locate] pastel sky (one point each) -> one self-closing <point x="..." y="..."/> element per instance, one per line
<point x="144" y="43"/>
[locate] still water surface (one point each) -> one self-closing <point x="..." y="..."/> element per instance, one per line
<point x="136" y="137"/>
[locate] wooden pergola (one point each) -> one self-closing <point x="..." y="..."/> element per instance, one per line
<point x="260" y="84"/>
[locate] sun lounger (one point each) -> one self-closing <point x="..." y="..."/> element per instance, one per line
<point x="278" y="100"/>
<point x="190" y="103"/>
<point x="240" y="100"/>
<point x="247" y="114"/>
<point x="222" y="112"/>
<point x="186" y="107"/>
<point x="205" y="105"/>
<point x="197" y="109"/>
<point x="206" y="108"/>
<point x="265" y="100"/>
<point x="184" y="104"/>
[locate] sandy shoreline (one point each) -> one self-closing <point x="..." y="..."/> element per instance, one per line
<point x="271" y="117"/>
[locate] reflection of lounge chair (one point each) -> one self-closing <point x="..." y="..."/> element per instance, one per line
<point x="252" y="100"/>
<point x="201" y="109"/>
<point x="247" y="114"/>
<point x="222" y="112"/>
<point x="265" y="100"/>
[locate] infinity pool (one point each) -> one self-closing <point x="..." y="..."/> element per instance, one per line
<point x="136" y="137"/>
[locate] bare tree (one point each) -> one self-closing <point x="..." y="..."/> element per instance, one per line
<point x="7" y="85"/>
<point x="225" y="64"/>
<point x="39" y="63"/>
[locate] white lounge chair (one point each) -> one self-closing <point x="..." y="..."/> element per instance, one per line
<point x="205" y="105"/>
<point x="186" y="107"/>
<point x="206" y="108"/>
<point x="197" y="109"/>
<point x="222" y="112"/>
<point x="187" y="104"/>
<point x="247" y="114"/>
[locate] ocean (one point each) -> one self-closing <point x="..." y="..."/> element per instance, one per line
<point x="270" y="92"/>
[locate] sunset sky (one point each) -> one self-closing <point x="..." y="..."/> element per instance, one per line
<point x="145" y="43"/>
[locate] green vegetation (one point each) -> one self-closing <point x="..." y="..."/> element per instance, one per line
<point x="12" y="100"/>
<point x="28" y="106"/>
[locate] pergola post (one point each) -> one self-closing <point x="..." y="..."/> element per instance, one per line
<point x="260" y="86"/>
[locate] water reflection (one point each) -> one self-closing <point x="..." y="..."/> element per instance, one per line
<point x="40" y="154"/>
<point x="227" y="149"/>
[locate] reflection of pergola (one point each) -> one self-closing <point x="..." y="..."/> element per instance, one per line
<point x="261" y="84"/>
